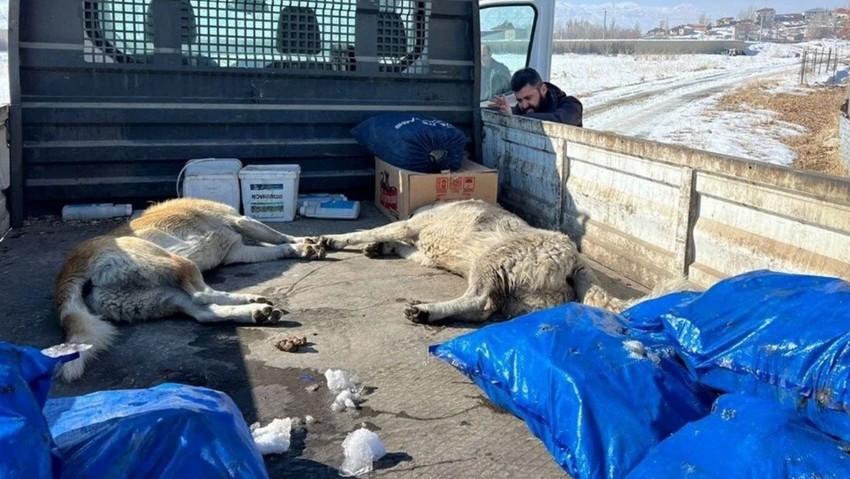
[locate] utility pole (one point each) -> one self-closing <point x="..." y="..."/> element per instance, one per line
<point x="604" y="23"/>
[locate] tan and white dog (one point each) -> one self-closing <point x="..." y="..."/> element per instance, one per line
<point x="511" y="267"/>
<point x="151" y="268"/>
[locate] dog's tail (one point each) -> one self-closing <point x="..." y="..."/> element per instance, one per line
<point x="589" y="292"/>
<point x="80" y="325"/>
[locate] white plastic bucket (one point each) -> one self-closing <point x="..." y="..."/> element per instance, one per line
<point x="270" y="192"/>
<point x="213" y="179"/>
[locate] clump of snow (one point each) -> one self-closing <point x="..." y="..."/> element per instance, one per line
<point x="361" y="448"/>
<point x="274" y="437"/>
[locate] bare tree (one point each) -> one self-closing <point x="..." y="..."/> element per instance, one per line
<point x="748" y="13"/>
<point x="703" y="19"/>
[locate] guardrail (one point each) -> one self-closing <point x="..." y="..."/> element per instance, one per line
<point x="652" y="211"/>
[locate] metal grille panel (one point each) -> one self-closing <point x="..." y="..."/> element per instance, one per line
<point x="402" y="36"/>
<point x="275" y="34"/>
<point x="116" y="32"/>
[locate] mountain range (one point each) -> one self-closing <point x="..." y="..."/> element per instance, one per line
<point x="628" y="14"/>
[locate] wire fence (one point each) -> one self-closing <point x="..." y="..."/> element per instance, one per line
<point x="817" y="62"/>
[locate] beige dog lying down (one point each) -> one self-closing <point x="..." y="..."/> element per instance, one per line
<point x="512" y="268"/>
<point x="151" y="268"/>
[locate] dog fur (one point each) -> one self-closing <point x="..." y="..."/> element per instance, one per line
<point x="151" y="268"/>
<point x="512" y="268"/>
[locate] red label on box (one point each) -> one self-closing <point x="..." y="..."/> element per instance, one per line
<point x="442" y="184"/>
<point x="468" y="183"/>
<point x="456" y="184"/>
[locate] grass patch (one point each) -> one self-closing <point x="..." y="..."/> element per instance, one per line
<point x="815" y="108"/>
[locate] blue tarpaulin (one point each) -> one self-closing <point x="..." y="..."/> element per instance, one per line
<point x="603" y="390"/>
<point x="168" y="431"/>
<point x="783" y="336"/>
<point x="597" y="399"/>
<point x="747" y="437"/>
<point x="25" y="376"/>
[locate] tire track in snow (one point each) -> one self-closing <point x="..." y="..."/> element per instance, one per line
<point x="637" y="110"/>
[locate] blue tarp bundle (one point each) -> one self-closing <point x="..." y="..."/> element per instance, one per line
<point x="25" y="376"/>
<point x="417" y="143"/>
<point x="169" y="431"/>
<point x="601" y="390"/>
<point x="749" y="437"/>
<point x="783" y="336"/>
<point x="595" y="398"/>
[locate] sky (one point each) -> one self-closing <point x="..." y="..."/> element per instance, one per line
<point x="731" y="8"/>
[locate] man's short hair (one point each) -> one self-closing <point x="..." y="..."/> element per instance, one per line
<point x="526" y="76"/>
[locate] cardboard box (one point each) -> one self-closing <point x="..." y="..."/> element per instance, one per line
<point x="398" y="192"/>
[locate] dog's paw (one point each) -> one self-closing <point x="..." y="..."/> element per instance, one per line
<point x="312" y="250"/>
<point x="414" y="314"/>
<point x="252" y="298"/>
<point x="373" y="250"/>
<point x="317" y="240"/>
<point x="267" y="315"/>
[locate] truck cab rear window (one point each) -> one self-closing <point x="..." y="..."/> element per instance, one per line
<point x="276" y="34"/>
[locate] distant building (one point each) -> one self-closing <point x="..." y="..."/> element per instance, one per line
<point x="814" y="13"/>
<point x="789" y="17"/>
<point x="819" y="24"/>
<point x="765" y="18"/>
<point x="682" y="30"/>
<point x="746" y="31"/>
<point x="657" y="33"/>
<point x="503" y="31"/>
<point x="725" y="22"/>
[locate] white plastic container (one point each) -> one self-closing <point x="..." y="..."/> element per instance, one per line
<point x="215" y="179"/>
<point x="95" y="211"/>
<point x="319" y="198"/>
<point x="269" y="192"/>
<point x="335" y="209"/>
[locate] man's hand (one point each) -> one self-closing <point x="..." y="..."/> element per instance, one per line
<point x="500" y="104"/>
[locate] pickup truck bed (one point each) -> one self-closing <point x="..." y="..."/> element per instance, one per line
<point x="433" y="421"/>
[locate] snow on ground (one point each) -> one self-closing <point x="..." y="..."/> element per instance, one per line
<point x="672" y="98"/>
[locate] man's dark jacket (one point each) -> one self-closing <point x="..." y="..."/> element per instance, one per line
<point x="556" y="106"/>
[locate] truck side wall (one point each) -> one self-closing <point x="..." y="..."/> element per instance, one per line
<point x="651" y="211"/>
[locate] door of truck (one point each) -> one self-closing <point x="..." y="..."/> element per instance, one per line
<point x="518" y="34"/>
